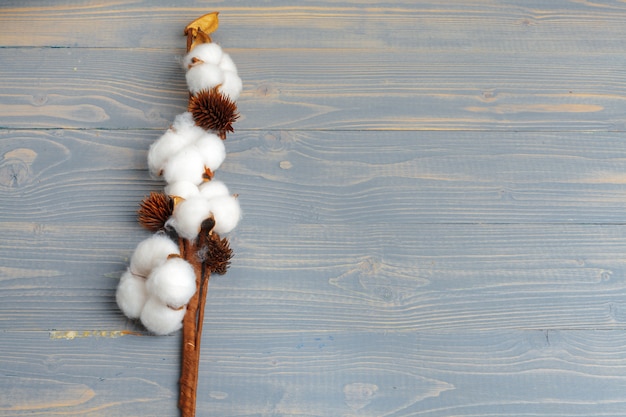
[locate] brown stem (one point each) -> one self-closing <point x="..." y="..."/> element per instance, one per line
<point x="190" y="356"/>
<point x="194" y="316"/>
<point x="192" y="333"/>
<point x="206" y="274"/>
<point x="202" y="294"/>
<point x="190" y="37"/>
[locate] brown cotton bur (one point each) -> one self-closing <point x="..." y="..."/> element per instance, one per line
<point x="154" y="211"/>
<point x="213" y="111"/>
<point x="219" y="253"/>
<point x="212" y="251"/>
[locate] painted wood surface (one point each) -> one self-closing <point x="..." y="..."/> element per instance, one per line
<point x="320" y="89"/>
<point x="433" y="203"/>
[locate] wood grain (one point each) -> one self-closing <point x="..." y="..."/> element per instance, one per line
<point x="491" y="230"/>
<point x="285" y="177"/>
<point x="308" y="278"/>
<point x="460" y="26"/>
<point x="410" y="178"/>
<point x="433" y="201"/>
<point x="319" y="89"/>
<point x="70" y="176"/>
<point x="320" y="373"/>
<point x="87" y="376"/>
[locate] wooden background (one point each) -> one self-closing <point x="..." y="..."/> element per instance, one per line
<point x="434" y="199"/>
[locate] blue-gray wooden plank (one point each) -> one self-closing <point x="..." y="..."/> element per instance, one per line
<point x="319" y="374"/>
<point x="464" y="26"/>
<point x="327" y="177"/>
<point x="320" y="89"/>
<point x="383" y="277"/>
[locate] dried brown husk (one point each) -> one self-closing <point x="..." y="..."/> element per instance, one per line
<point x="213" y="111"/>
<point x="154" y="211"/>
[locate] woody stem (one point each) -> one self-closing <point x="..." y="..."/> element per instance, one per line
<point x="194" y="317"/>
<point x="192" y="333"/>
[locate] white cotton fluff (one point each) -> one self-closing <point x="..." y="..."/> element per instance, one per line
<point x="151" y="253"/>
<point x="232" y="85"/>
<point x="227" y="63"/>
<point x="212" y="149"/>
<point x="212" y="189"/>
<point x="188" y="216"/>
<point x="186" y="165"/>
<point x="131" y="294"/>
<point x="211" y="53"/>
<point x="170" y="143"/>
<point x="183" y="189"/>
<point x="204" y="77"/>
<point x="185" y="123"/>
<point x="226" y="212"/>
<point x="173" y="282"/>
<point x="158" y="318"/>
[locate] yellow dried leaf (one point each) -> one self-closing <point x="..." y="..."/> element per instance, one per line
<point x="207" y="24"/>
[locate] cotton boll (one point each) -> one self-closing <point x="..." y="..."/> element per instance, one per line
<point x="183" y="189"/>
<point x="186" y="165"/>
<point x="210" y="53"/>
<point x="227" y="64"/>
<point x="204" y="77"/>
<point x="212" y="189"/>
<point x="162" y="149"/>
<point x="212" y="149"/>
<point x="158" y="318"/>
<point x="173" y="282"/>
<point x="184" y="123"/>
<point x="170" y="143"/>
<point x="226" y="212"/>
<point x="131" y="294"/>
<point x="150" y="253"/>
<point x="232" y="85"/>
<point x="188" y="216"/>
